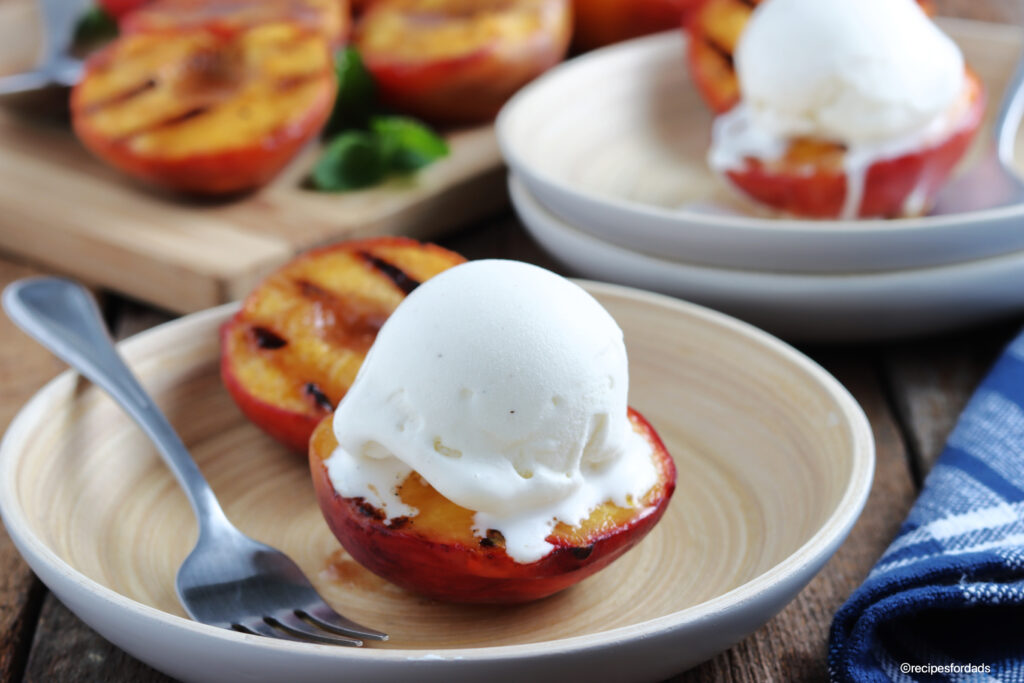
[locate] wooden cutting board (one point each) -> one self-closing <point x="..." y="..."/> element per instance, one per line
<point x="63" y="209"/>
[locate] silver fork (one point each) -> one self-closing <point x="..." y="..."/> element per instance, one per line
<point x="228" y="580"/>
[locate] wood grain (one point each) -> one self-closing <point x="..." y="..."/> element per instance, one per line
<point x="931" y="382"/>
<point x="24" y="366"/>
<point x="65" y="649"/>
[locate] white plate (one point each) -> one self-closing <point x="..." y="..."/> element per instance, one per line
<point x="775" y="461"/>
<point x="614" y="142"/>
<point x="803" y="307"/>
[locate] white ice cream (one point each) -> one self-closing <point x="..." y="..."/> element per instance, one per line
<point x="875" y="75"/>
<point x="852" y="71"/>
<point x="504" y="386"/>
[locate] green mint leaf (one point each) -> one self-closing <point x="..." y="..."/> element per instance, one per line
<point x="351" y="161"/>
<point x="357" y="93"/>
<point x="408" y="144"/>
<point x="95" y="27"/>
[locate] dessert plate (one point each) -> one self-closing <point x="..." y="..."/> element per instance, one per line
<point x="775" y="462"/>
<point x="796" y="306"/>
<point x="614" y="142"/>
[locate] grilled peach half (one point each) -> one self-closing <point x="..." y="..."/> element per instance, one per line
<point x="810" y="180"/>
<point x="293" y="350"/>
<point x="457" y="61"/>
<point x="329" y="17"/>
<point x="602" y="22"/>
<point x="205" y="113"/>
<point x="714" y="28"/>
<point x="436" y="554"/>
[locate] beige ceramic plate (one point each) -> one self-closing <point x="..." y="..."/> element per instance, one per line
<point x="775" y="461"/>
<point x="615" y="144"/>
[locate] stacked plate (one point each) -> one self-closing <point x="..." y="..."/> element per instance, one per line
<point x="608" y="173"/>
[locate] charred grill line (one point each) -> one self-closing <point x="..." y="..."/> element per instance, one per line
<point x="286" y="84"/>
<point x="399" y="523"/>
<point x="312" y="291"/>
<point x="182" y="117"/>
<point x="122" y="97"/>
<point x="168" y="122"/>
<point x="393" y="272"/>
<point x="268" y="339"/>
<point x="721" y="51"/>
<point x="368" y="510"/>
<point x="582" y="553"/>
<point x="318" y="396"/>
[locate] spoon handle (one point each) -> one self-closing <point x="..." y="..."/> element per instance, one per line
<point x="63" y="317"/>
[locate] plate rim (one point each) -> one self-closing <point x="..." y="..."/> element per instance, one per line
<point x="821" y="545"/>
<point x="519" y="187"/>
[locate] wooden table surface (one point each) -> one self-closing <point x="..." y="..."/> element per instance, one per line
<point x="912" y="392"/>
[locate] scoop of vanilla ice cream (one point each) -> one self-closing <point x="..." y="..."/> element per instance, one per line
<point x="504" y="386"/>
<point x="851" y="71"/>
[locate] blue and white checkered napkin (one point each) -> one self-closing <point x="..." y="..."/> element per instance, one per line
<point x="946" y="600"/>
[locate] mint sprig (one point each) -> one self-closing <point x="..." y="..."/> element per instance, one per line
<point x="408" y="144"/>
<point x="393" y="145"/>
<point x="351" y="161"/>
<point x="95" y="27"/>
<point x="357" y="93"/>
<point x="366" y="146"/>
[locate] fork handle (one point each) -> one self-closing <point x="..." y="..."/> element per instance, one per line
<point x="62" y="316"/>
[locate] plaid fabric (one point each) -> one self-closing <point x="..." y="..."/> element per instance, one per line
<point x="948" y="594"/>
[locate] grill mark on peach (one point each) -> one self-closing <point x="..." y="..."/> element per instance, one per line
<point x="345" y="320"/>
<point x="268" y="339"/>
<point x="122" y="96"/>
<point x="721" y="51"/>
<point x="368" y="510"/>
<point x="213" y="68"/>
<point x="582" y="553"/>
<point x="320" y="399"/>
<point x="398" y="276"/>
<point x="297" y="81"/>
<point x="399" y="523"/>
<point x="169" y="122"/>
